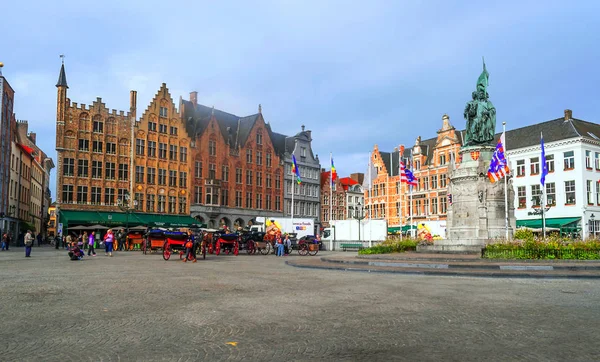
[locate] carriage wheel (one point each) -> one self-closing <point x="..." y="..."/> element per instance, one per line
<point x="218" y="248"/>
<point x="180" y="255"/>
<point x="145" y="247"/>
<point x="210" y="248"/>
<point x="166" y="251"/>
<point x="250" y="247"/>
<point x="313" y="252"/>
<point x="236" y="248"/>
<point x="203" y="251"/>
<point x="265" y="250"/>
<point x="303" y="250"/>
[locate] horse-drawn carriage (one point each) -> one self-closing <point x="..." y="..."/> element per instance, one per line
<point x="155" y="240"/>
<point x="135" y="240"/>
<point x="175" y="241"/>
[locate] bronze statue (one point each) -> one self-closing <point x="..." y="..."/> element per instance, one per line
<point x="480" y="115"/>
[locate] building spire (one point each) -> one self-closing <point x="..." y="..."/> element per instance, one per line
<point x="259" y="108"/>
<point x="62" y="77"/>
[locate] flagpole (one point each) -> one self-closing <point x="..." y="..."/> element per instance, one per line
<point x="400" y="193"/>
<point x="387" y="189"/>
<point x="292" y="211"/>
<point x="505" y="183"/>
<point x="543" y="203"/>
<point x="411" y="191"/>
<point x="330" y="200"/>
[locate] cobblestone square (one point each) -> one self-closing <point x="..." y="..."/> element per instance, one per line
<point x="135" y="307"/>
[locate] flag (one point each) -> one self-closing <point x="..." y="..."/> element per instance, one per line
<point x="544" y="165"/>
<point x="403" y="172"/>
<point x="333" y="172"/>
<point x="370" y="175"/>
<point x="498" y="165"/>
<point x="295" y="170"/>
<point x="410" y="178"/>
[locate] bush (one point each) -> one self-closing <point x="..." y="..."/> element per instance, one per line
<point x="553" y="247"/>
<point x="391" y="246"/>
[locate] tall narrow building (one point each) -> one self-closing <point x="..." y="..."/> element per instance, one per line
<point x="7" y="96"/>
<point x="99" y="150"/>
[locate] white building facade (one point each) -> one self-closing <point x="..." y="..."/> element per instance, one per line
<point x="572" y="186"/>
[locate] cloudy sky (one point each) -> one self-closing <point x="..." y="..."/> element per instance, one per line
<point x="355" y="73"/>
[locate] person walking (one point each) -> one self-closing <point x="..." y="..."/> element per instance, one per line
<point x="57" y="242"/>
<point x="8" y="240"/>
<point x="109" y="238"/>
<point x="4" y="241"/>
<point x="122" y="240"/>
<point x="39" y="239"/>
<point x="84" y="241"/>
<point x="91" y="240"/>
<point x="28" y="241"/>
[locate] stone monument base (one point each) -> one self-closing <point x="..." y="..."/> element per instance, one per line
<point x="476" y="214"/>
<point x="448" y="246"/>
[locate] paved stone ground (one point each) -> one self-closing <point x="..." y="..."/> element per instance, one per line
<point x="140" y="308"/>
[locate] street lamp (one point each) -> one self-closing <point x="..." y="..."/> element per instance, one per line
<point x="125" y="205"/>
<point x="359" y="215"/>
<point x="592" y="217"/>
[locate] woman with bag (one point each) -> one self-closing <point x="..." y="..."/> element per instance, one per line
<point x="109" y="238"/>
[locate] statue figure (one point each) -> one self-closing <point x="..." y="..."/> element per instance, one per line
<point x="480" y="115"/>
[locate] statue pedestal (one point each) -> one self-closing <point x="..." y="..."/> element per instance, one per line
<point x="477" y="212"/>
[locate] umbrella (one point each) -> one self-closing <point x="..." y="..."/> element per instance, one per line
<point x="78" y="228"/>
<point x="97" y="227"/>
<point x="137" y="228"/>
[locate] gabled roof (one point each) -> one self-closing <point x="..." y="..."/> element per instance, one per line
<point x="347" y="182"/>
<point x="245" y="125"/>
<point x="554" y="130"/>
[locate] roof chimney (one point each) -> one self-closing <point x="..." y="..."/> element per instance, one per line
<point x="568" y="114"/>
<point x="32" y="137"/>
<point x="303" y="128"/>
<point x="194" y="98"/>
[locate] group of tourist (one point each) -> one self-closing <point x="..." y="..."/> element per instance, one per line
<point x="283" y="246"/>
<point x="77" y="245"/>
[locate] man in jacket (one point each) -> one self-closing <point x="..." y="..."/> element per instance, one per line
<point x="28" y="240"/>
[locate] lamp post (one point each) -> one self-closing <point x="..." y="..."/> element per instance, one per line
<point x="359" y="215"/>
<point x="541" y="211"/>
<point x="125" y="205"/>
<point x="592" y="218"/>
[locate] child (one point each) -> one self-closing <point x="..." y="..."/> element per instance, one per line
<point x="75" y="253"/>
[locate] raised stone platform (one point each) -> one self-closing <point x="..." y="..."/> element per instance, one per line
<point x="455" y="265"/>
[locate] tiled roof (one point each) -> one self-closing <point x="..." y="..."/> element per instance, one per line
<point x="554" y="130"/>
<point x="197" y="119"/>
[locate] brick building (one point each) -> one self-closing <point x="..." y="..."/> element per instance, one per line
<point x="162" y="158"/>
<point x="237" y="170"/>
<point x="333" y="202"/>
<point x="389" y="199"/>
<point x="7" y="95"/>
<point x="96" y="161"/>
